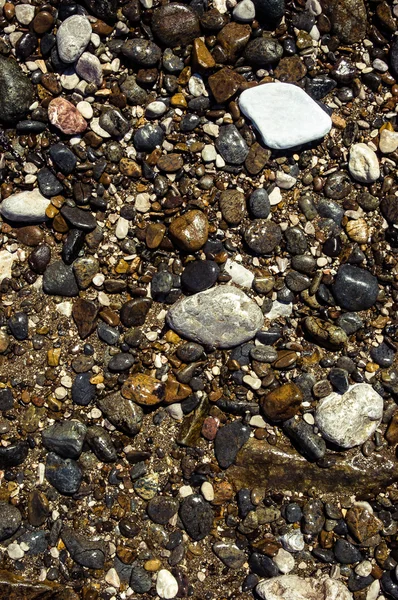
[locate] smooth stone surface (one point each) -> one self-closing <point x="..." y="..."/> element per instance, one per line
<point x="244" y="11"/>
<point x="59" y="280"/>
<point x="73" y="37"/>
<point x="87" y="553"/>
<point x="64" y="115"/>
<point x="101" y="444"/>
<point x="284" y="115"/>
<point x="197" y="516"/>
<point x="89" y="68"/>
<point x="25" y="207"/>
<point x="65" y="438"/>
<point x="199" y="275"/>
<point x="262" y="236"/>
<point x="83" y="392"/>
<point x="350" y="419"/>
<point x="175" y="24"/>
<point x="229" y="553"/>
<point x="166" y="585"/>
<point x="223" y="317"/>
<point x="293" y="587"/>
<point x="348" y="19"/>
<point x="262" y="52"/>
<point x="355" y="288"/>
<point x="229" y="440"/>
<point x="363" y="164"/>
<point x="17" y="92"/>
<point x="231" y="145"/>
<point x="63" y="158"/>
<point x="64" y="474"/>
<point x="122" y="413"/>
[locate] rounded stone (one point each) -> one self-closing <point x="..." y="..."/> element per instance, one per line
<point x="282" y="403"/>
<point x="261" y="52"/>
<point x="190" y="231"/>
<point x="175" y="24"/>
<point x="355" y="288"/>
<point x="10" y="520"/>
<point x="363" y="163"/>
<point x="73" y="37"/>
<point x="197" y="516"/>
<point x="263" y="236"/>
<point x="199" y="275"/>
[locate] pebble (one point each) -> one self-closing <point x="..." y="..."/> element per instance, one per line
<point x="282" y="403"/>
<point x="10" y="520"/>
<point x="64" y="115"/>
<point x="166" y="584"/>
<point x="18" y="326"/>
<point x="148" y="137"/>
<point x="101" y="443"/>
<point x="284" y="115"/>
<point x="263" y="236"/>
<point x="199" y="275"/>
<point x="25" y="207"/>
<point x="59" y="280"/>
<point x="350" y="419"/>
<point x="239" y="274"/>
<point x="259" y="204"/>
<point x="64" y="474"/>
<point x="363" y="163"/>
<point x="17" y="91"/>
<point x="84" y="551"/>
<point x="229" y="553"/>
<point x="244" y="11"/>
<point x="231" y="145"/>
<point x="175" y="24"/>
<point x="73" y="36"/>
<point x="284" y="561"/>
<point x="65" y="439"/>
<point x="190" y="231"/>
<point x="232" y="206"/>
<point x="228" y="441"/>
<point x="354" y="288"/>
<point x="197" y="516"/>
<point x="221" y="317"/>
<point x="122" y="413"/>
<point x="388" y="141"/>
<point x="89" y="68"/>
<point x="293" y="587"/>
<point x="63" y="158"/>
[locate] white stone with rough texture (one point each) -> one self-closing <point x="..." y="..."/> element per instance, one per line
<point x="279" y="309"/>
<point x="284" y="115"/>
<point x="244" y="11"/>
<point x="25" y="207"/>
<point x="223" y="317"/>
<point x="293" y="587"/>
<point x="284" y="561"/>
<point x="349" y="419"/>
<point x="166" y="585"/>
<point x="363" y="164"/>
<point x="6" y="260"/>
<point x="388" y="141"/>
<point x="238" y="273"/>
<point x="73" y="37"/>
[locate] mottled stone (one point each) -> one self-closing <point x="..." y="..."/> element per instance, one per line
<point x="143" y="389"/>
<point x="197" y="516"/>
<point x="17" y="92"/>
<point x="190" y="231"/>
<point x="174" y="24"/>
<point x="293" y="587"/>
<point x="25" y="207"/>
<point x="64" y="115"/>
<point x="229" y="440"/>
<point x="73" y="37"/>
<point x="122" y="413"/>
<point x="282" y="403"/>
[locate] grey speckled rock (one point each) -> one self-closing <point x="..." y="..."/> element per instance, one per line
<point x="223" y="317"/>
<point x="355" y="288"/>
<point x="231" y="145"/>
<point x="25" y="207"/>
<point x="87" y="553"/>
<point x="65" y="438"/>
<point x="73" y="37"/>
<point x="293" y="587"/>
<point x="17" y="92"/>
<point x="350" y="419"/>
<point x="122" y="413"/>
<point x="10" y="520"/>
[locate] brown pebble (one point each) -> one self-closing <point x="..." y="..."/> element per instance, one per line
<point x="143" y="389"/>
<point x="170" y="163"/>
<point x="43" y="22"/>
<point x="282" y="403"/>
<point x="30" y="235"/>
<point x="190" y="231"/>
<point x="154" y="235"/>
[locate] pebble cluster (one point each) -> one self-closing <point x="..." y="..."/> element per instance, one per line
<point x="199" y="299"/>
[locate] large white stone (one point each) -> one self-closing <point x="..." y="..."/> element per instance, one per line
<point x="363" y="164"/>
<point x="293" y="587"/>
<point x="73" y="37"/>
<point x="351" y="418"/>
<point x="26" y="207"/>
<point x="284" y="115"/>
<point x="166" y="585"/>
<point x="222" y="317"/>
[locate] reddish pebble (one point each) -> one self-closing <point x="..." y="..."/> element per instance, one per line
<point x="64" y="115"/>
<point x="210" y="427"/>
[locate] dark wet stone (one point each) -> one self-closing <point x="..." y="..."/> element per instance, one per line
<point x="229" y="440"/>
<point x="389" y="584"/>
<point x="197" y="516"/>
<point x="313" y="517"/>
<point x="140" y="580"/>
<point x="394" y="57"/>
<point x="17" y="91"/>
<point x="63" y="158"/>
<point x="293" y="513"/>
<point x="30" y="126"/>
<point x="263" y="236"/>
<point x="259" y="204"/>
<point x="106" y="333"/>
<point x="338" y="185"/>
<point x="18" y="326"/>
<point x="382" y="355"/>
<point x="320" y="86"/>
<point x="190" y="352"/>
<point x="121" y="362"/>
<point x="262" y="52"/>
<point x="174" y="24"/>
<point x="38" y="508"/>
<point x="36" y="540"/>
<point x="350" y="322"/>
<point x="296" y="240"/>
<point x="354" y="288"/>
<point x="250" y="582"/>
<point x="346" y="553"/>
<point x="232" y="556"/>
<point x="348" y="19"/>
<point x="308" y="442"/>
<point x="83" y="392"/>
<point x="356" y="583"/>
<point x="122" y="413"/>
<point x="143" y="53"/>
<point x="26" y="45"/>
<point x="6" y="399"/>
<point x="333" y="246"/>
<point x="49" y="185"/>
<point x="263" y="565"/>
<point x="113" y="122"/>
<point x="10" y="520"/>
<point x="13" y="455"/>
<point x="84" y="313"/>
<point x="330" y="210"/>
<point x="101" y="444"/>
<point x="297" y="282"/>
<point x="270" y="11"/>
<point x="134" y="93"/>
<point x="148" y="137"/>
<point x="199" y="275"/>
<point x="189" y="122"/>
<point x="161" y="509"/>
<point x="63" y="474"/>
<point x="103" y="9"/>
<point x="87" y="553"/>
<point x="161" y="285"/>
<point x="65" y="438"/>
<point x="59" y="280"/>
<point x="72" y="245"/>
<point x="339" y="379"/>
<point x="231" y="145"/>
<point x="133" y="312"/>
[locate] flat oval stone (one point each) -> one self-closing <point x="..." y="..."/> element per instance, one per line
<point x="350" y="419"/>
<point x="229" y="440"/>
<point x="64" y="115"/>
<point x="282" y="403"/>
<point x="293" y="586"/>
<point x="25" y="207"/>
<point x="263" y="236"/>
<point x="175" y="24"/>
<point x="231" y="145"/>
<point x="190" y="231"/>
<point x="10" y="520"/>
<point x="73" y="37"/>
<point x="229" y="553"/>
<point x="197" y="516"/>
<point x="355" y="288"/>
<point x="223" y="317"/>
<point x="199" y="275"/>
<point x="64" y="474"/>
<point x="142" y="52"/>
<point x="143" y="389"/>
<point x="122" y="413"/>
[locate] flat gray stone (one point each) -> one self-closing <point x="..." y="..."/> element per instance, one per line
<point x="222" y="317"/>
<point x="25" y="207"/>
<point x="284" y="115"/>
<point x="350" y="419"/>
<point x="73" y="37"/>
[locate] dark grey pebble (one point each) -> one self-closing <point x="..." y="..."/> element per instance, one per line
<point x="296" y="240"/>
<point x="49" y="185"/>
<point x="106" y="333"/>
<point x="17" y="92"/>
<point x="263" y="565"/>
<point x="259" y="204"/>
<point x="297" y="282"/>
<point x="18" y="325"/>
<point x="161" y="509"/>
<point x="310" y="445"/>
<point x="121" y="362"/>
<point x="313" y="517"/>
<point x="190" y="352"/>
<point x="122" y="413"/>
<point x="355" y="288"/>
<point x="199" y="275"/>
<point x="197" y="516"/>
<point x="36" y="540"/>
<point x="350" y="322"/>
<point x="39" y="258"/>
<point x="229" y="553"/>
<point x="262" y="52"/>
<point x="83" y="392"/>
<point x="265" y="354"/>
<point x="339" y="379"/>
<point x="231" y="145"/>
<point x="63" y="474"/>
<point x="65" y="438"/>
<point x="114" y="123"/>
<point x="101" y="444"/>
<point x="13" y="455"/>
<point x="229" y="440"/>
<point x="148" y="137"/>
<point x="87" y="553"/>
<point x="140" y="580"/>
<point x="63" y="158"/>
<point x="143" y="53"/>
<point x="346" y="553"/>
<point x="81" y="219"/>
<point x="382" y="355"/>
<point x="6" y="399"/>
<point x="10" y="520"/>
<point x="59" y="280"/>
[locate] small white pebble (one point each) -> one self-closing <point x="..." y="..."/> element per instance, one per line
<point x="112" y="578"/>
<point x="85" y="109"/>
<point x="207" y="491"/>
<point x="185" y="490"/>
<point x="15" y="551"/>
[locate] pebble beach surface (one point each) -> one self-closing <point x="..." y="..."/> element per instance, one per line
<point x="199" y="300"/>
